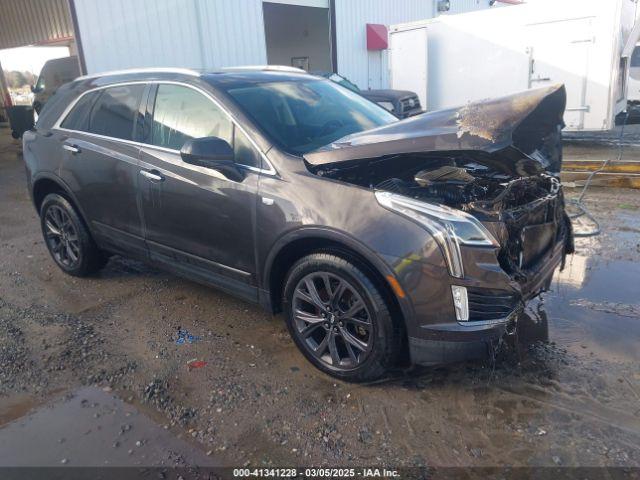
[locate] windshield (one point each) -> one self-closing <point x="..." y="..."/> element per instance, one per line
<point x="301" y="116"/>
<point x="39" y="84"/>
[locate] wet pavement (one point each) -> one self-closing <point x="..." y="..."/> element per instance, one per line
<point x="588" y="314"/>
<point x="563" y="391"/>
<point x="91" y="428"/>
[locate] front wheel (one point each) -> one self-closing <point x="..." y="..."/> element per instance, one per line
<point x="339" y="318"/>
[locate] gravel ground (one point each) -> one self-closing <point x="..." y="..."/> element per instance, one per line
<point x="570" y="398"/>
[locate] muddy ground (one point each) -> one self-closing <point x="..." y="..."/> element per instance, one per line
<point x="565" y="392"/>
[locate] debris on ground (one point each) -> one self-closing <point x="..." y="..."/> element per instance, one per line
<point x="185" y="337"/>
<point x="191" y="364"/>
<point x="621" y="309"/>
<point x="627" y="206"/>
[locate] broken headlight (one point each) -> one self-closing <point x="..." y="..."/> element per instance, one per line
<point x="450" y="228"/>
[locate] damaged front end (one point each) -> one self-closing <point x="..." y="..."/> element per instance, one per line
<point x="494" y="163"/>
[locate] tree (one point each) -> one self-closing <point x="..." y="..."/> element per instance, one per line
<point x="16" y="79"/>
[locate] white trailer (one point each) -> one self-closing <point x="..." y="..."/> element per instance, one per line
<point x="454" y="59"/>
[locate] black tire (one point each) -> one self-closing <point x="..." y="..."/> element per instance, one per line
<point x="372" y="328"/>
<point x="72" y="247"/>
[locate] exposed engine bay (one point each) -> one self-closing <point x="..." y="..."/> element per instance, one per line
<point x="523" y="209"/>
<point x="497" y="159"/>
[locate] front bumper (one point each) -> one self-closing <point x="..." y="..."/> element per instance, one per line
<point x="448" y="341"/>
<point x="440" y="352"/>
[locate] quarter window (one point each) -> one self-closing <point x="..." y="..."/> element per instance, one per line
<point x="78" y="117"/>
<point x="245" y="153"/>
<point x="182" y="114"/>
<point x="115" y="111"/>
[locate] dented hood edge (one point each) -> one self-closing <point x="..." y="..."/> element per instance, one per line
<point x="529" y="121"/>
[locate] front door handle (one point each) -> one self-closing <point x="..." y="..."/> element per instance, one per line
<point x="71" y="148"/>
<point x="152" y="175"/>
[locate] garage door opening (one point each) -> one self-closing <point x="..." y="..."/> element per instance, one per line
<point x="31" y="33"/>
<point x="24" y="74"/>
<point x="28" y="77"/>
<point x="299" y="36"/>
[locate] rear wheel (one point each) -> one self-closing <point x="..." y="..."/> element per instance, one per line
<point x="339" y="319"/>
<point x="68" y="239"/>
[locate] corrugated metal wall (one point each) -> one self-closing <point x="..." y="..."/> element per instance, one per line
<point x="29" y="22"/>
<point x="370" y="69"/>
<point x="118" y="34"/>
<point x="170" y="33"/>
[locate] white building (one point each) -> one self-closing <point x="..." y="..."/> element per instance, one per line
<point x="319" y="35"/>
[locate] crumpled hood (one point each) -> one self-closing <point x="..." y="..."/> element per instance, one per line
<point x="529" y="122"/>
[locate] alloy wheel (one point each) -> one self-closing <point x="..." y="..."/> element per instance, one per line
<point x="332" y="320"/>
<point x="62" y="237"/>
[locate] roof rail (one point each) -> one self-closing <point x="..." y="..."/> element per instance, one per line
<point x="185" y="71"/>
<point x="267" y="68"/>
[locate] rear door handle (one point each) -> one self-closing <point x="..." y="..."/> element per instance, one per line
<point x="152" y="175"/>
<point x="71" y="148"/>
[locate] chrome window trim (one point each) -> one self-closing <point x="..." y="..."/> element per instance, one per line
<point x="268" y="171"/>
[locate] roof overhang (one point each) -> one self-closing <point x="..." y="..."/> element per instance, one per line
<point x="35" y="22"/>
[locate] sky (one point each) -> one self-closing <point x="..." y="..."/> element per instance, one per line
<point x="30" y="58"/>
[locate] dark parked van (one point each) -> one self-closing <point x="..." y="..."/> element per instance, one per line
<point x="380" y="239"/>
<point x="54" y="73"/>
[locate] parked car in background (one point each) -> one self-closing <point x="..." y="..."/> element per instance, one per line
<point x="401" y="103"/>
<point x="54" y="73"/>
<point x="381" y="240"/>
<point x="633" y="88"/>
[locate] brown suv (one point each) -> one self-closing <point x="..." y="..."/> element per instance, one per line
<point x="379" y="239"/>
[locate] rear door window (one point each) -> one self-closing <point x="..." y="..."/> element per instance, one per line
<point x="182" y="114"/>
<point x="116" y="110"/>
<point x="78" y="117"/>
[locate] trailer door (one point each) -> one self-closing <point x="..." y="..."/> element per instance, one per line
<point x="408" y="62"/>
<point x="559" y="53"/>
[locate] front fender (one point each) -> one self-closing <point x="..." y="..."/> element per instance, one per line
<point x="324" y="233"/>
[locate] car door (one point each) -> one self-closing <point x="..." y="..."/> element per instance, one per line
<point x="101" y="164"/>
<point x="197" y="220"/>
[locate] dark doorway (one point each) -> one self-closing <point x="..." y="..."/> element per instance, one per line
<point x="298" y="36"/>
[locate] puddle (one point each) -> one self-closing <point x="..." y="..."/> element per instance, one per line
<point x="91" y="428"/>
<point x="593" y="307"/>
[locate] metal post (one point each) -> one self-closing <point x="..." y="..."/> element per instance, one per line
<point x="76" y="34"/>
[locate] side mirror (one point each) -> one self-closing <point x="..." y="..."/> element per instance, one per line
<point x="214" y="153"/>
<point x="33" y="88"/>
